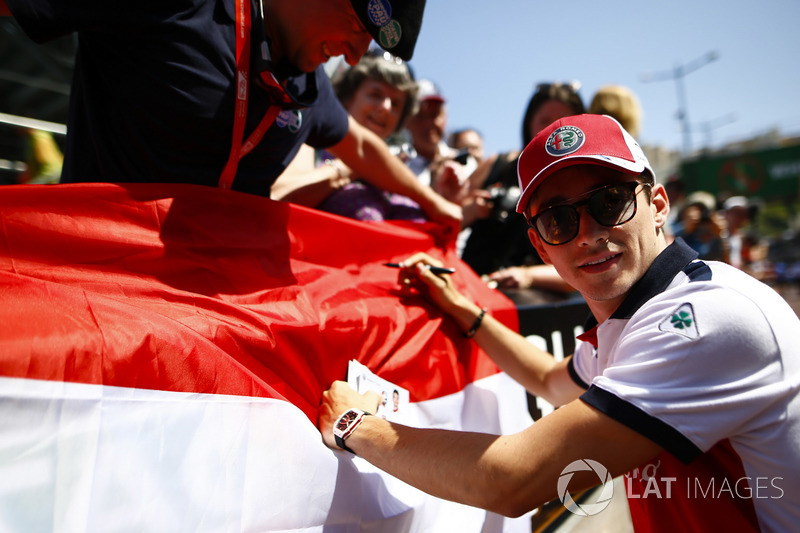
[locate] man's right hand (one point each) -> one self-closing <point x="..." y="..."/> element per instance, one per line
<point x="438" y="288"/>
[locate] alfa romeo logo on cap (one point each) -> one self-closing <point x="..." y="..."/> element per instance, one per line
<point x="564" y="140"/>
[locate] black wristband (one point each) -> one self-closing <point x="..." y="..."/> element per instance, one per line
<point x="475" y="325"/>
<point x="340" y="443"/>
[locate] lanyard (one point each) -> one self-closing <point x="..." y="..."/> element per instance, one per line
<point x="239" y="149"/>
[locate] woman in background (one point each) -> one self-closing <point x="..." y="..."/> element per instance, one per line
<point x="379" y="92"/>
<point x="498" y="244"/>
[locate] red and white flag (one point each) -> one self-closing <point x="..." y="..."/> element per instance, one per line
<point x="164" y="348"/>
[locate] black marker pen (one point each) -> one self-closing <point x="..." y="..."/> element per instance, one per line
<point x="435" y="270"/>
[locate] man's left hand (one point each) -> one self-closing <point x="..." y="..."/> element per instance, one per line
<point x="338" y="399"/>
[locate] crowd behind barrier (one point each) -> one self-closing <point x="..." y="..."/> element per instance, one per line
<point x="768" y="254"/>
<point x="713" y="225"/>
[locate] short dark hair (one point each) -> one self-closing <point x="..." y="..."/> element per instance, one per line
<point x="455" y="134"/>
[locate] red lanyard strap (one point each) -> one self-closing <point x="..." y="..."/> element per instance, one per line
<point x="239" y="149"/>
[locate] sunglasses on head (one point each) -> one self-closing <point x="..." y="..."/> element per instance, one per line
<point x="612" y="205"/>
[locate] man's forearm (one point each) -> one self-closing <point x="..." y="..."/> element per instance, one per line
<point x="457" y="466"/>
<point x="472" y="468"/>
<point x="534" y="369"/>
<point x="507" y="474"/>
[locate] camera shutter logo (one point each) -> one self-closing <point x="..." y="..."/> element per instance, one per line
<point x="602" y="499"/>
<point x="564" y="140"/>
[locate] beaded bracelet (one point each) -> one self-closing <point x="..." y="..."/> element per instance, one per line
<point x="475" y="325"/>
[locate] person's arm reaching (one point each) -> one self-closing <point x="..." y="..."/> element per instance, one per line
<point x="370" y="159"/>
<point x="509" y="474"/>
<point x="531" y="276"/>
<point x="534" y="369"/>
<point x="304" y="184"/>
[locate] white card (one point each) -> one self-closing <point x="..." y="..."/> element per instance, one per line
<point x="395" y="399"/>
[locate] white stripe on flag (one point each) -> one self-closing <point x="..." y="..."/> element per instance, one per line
<point x="76" y="457"/>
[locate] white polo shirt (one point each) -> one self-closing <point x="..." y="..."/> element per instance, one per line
<point x="702" y="359"/>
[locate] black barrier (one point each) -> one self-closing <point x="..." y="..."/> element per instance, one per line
<point x="552" y="327"/>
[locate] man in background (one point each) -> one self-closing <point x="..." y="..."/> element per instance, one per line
<point x="434" y="161"/>
<point x="469" y="140"/>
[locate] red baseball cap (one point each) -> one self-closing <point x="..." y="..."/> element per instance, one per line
<point x="578" y="140"/>
<point x="427" y="90"/>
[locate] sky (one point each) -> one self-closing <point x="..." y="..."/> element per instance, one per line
<point x="488" y="56"/>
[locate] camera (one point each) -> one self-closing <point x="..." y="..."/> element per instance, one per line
<point x="462" y="157"/>
<point x="504" y="201"/>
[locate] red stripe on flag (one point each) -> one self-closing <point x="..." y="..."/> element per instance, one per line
<point x="192" y="289"/>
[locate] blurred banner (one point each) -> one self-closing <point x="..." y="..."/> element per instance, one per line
<point x="163" y="352"/>
<point x="769" y="174"/>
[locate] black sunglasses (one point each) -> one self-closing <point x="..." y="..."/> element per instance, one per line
<point x="612" y="205"/>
